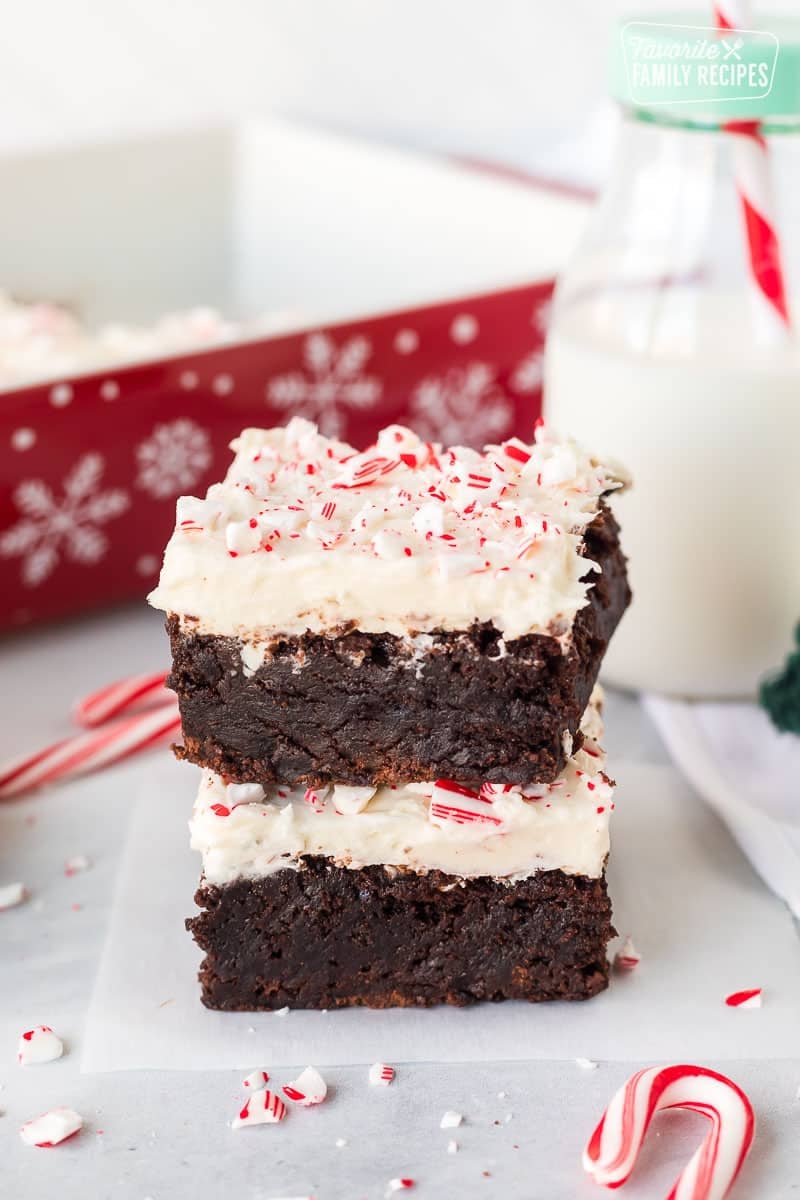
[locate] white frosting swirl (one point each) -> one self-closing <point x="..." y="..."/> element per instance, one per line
<point x="307" y="534"/>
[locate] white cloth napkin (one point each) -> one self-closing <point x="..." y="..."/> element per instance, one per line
<point x="749" y="774"/>
<point x="698" y="916"/>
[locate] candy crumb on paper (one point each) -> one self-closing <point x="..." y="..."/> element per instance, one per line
<point x="51" y="1128"/>
<point x="76" y="864"/>
<point x="256" y="1081"/>
<point x="749" y="998"/>
<point x="39" y="1045"/>
<point x="262" y="1108"/>
<point x="309" y="1088"/>
<point x="586" y="1064"/>
<point x="450" y="1120"/>
<point x="12" y="894"/>
<point x="627" y="957"/>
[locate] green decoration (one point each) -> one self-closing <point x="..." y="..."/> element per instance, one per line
<point x="780" y="694"/>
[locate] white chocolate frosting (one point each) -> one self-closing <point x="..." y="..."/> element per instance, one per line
<point x="305" y="533"/>
<point x="503" y="832"/>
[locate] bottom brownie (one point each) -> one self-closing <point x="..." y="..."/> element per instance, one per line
<point x="328" y="937"/>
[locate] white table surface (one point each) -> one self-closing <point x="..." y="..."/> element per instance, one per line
<point x="165" y="1135"/>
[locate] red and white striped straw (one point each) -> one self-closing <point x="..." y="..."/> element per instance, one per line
<point x="89" y="751"/>
<point x="126" y="695"/>
<point x="756" y="195"/>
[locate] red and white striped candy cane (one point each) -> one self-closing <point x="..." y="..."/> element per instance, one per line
<point x="754" y="184"/>
<point x="89" y="751"/>
<point x="712" y="1170"/>
<point x="126" y="695"/>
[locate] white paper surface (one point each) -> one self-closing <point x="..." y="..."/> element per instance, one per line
<point x="749" y="773"/>
<point x="700" y="917"/>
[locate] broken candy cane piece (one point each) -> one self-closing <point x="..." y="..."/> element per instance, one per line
<point x="262" y="1108"/>
<point x="39" y="1045"/>
<point x="627" y="957"/>
<point x="749" y="998"/>
<point x="11" y="895"/>
<point x="399" y="1185"/>
<point x="380" y="1074"/>
<point x="614" y="1146"/>
<point x="450" y="1120"/>
<point x="51" y="1127"/>
<point x="309" y="1088"/>
<point x="256" y="1081"/>
<point x="452" y="802"/>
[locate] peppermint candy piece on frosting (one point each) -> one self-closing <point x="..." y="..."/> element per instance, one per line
<point x="309" y="1088"/>
<point x="450" y="1120"/>
<point x="398" y="1185"/>
<point x="262" y="1108"/>
<point x="627" y="957"/>
<point x="256" y="1081"/>
<point x="12" y="894"/>
<point x="349" y="800"/>
<point x="51" y="1128"/>
<point x="749" y="998"/>
<point x="39" y="1045"/>
<point x="452" y="802"/>
<point x="244" y="793"/>
<point x="381" y="1075"/>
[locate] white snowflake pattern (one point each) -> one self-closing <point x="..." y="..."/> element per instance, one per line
<point x="173" y="458"/>
<point x="50" y="529"/>
<point x="542" y="316"/>
<point x="465" y="406"/>
<point x="528" y="374"/>
<point x="332" y="378"/>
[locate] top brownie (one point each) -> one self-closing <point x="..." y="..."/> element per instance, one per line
<point x="403" y="613"/>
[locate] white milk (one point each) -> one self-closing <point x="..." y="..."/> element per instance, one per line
<point x="712" y="523"/>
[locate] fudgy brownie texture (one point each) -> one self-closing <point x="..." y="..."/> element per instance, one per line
<point x="331" y="937"/>
<point x="364" y="709"/>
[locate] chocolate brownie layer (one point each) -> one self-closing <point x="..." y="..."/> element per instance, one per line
<point x="330" y="937"/>
<point x="374" y="709"/>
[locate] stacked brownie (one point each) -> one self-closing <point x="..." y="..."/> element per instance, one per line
<point x="386" y="666"/>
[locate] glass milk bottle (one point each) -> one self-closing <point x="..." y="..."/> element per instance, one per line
<point x="674" y="347"/>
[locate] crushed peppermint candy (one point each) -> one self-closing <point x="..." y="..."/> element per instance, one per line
<point x="452" y="1146"/>
<point x="454" y="802"/>
<point x="256" y="1081"/>
<point x="398" y="1185"/>
<point x="381" y="1075"/>
<point x="262" y="1108"/>
<point x="12" y="894"/>
<point x="309" y="1088"/>
<point x="51" y="1128"/>
<point x="39" y="1045"/>
<point x="493" y="519"/>
<point x="586" y="1064"/>
<point x="282" y="1012"/>
<point x="451" y="1120"/>
<point x="76" y="864"/>
<point x="749" y="998"/>
<point x="348" y="800"/>
<point x="627" y="957"/>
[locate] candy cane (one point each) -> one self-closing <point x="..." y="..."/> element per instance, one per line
<point x="89" y="751"/>
<point x="116" y="698"/>
<point x="712" y="1170"/>
<point x="754" y="184"/>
